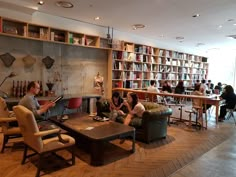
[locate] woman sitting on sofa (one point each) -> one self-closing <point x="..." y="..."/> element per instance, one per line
<point x="116" y="106"/>
<point x="135" y="108"/>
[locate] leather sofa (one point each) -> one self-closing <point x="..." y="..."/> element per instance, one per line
<point x="153" y="124"/>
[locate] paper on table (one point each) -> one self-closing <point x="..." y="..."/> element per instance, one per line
<point x="89" y="128"/>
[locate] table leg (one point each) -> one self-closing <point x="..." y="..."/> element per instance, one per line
<point x="97" y="153"/>
<point x="133" y="144"/>
<point x="217" y="111"/>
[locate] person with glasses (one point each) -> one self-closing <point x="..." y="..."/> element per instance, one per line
<point x="30" y="102"/>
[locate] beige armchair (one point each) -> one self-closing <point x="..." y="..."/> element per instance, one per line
<point x="33" y="138"/>
<point x="8" y="131"/>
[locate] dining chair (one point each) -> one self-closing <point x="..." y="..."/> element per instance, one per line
<point x="73" y="103"/>
<point x="9" y="131"/>
<point x="33" y="138"/>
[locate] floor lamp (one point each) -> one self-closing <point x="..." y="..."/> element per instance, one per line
<point x="2" y="93"/>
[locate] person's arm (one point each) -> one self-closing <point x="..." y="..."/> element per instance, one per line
<point x="128" y="106"/>
<point x="45" y="107"/>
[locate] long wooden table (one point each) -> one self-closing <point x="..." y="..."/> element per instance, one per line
<point x="211" y="99"/>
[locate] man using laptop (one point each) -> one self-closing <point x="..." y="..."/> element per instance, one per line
<point x="30" y="102"/>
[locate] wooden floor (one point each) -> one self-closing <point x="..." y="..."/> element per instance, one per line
<point x="158" y="159"/>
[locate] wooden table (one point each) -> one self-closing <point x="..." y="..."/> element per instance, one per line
<point x="210" y="99"/>
<point x="79" y="125"/>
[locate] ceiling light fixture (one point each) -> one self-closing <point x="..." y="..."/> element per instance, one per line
<point x="40" y="2"/>
<point x="196" y="15"/>
<point x="64" y="4"/>
<point x="97" y="18"/>
<point x="137" y="26"/>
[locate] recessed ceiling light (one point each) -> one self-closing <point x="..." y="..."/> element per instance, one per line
<point x="196" y="15"/>
<point x="64" y="4"/>
<point x="136" y="26"/>
<point x="235" y="24"/>
<point x="97" y="18"/>
<point x="41" y="2"/>
<point x="220" y="26"/>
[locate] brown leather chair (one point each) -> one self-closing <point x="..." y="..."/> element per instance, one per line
<point x="9" y="132"/>
<point x="33" y="138"/>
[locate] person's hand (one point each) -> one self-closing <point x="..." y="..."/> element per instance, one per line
<point x="125" y="103"/>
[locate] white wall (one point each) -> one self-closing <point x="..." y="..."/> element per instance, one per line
<point x="222" y="66"/>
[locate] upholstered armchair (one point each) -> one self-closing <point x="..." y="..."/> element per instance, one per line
<point x="6" y="118"/>
<point x="33" y="138"/>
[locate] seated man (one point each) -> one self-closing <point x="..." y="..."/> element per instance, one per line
<point x="30" y="102"/>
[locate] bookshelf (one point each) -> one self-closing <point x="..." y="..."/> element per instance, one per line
<point x="130" y="65"/>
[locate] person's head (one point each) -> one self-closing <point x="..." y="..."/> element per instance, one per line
<point x="153" y="82"/>
<point x="197" y="87"/>
<point x="209" y="81"/>
<point x="203" y="81"/>
<point x="116" y="96"/>
<point x="132" y="99"/>
<point x="228" y="89"/>
<point x="197" y="81"/>
<point x="219" y="84"/>
<point x="181" y="83"/>
<point x="166" y="83"/>
<point x="33" y="87"/>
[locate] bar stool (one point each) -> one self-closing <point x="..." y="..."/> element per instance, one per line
<point x="197" y="111"/>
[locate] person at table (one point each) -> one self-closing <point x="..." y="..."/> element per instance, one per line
<point x="197" y="102"/>
<point x="197" y="83"/>
<point x="203" y="87"/>
<point x="116" y="106"/>
<point x="218" y="88"/>
<point x="210" y="85"/>
<point x="180" y="89"/>
<point x="230" y="100"/>
<point x="135" y="108"/>
<point x="153" y="88"/>
<point x="30" y="102"/>
<point x="166" y="87"/>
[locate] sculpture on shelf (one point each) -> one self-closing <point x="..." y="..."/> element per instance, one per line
<point x="48" y="62"/>
<point x="98" y="84"/>
<point x="29" y="61"/>
<point x="7" y="59"/>
<point x="2" y="93"/>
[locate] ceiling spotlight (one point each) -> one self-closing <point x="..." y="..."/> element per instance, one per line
<point x="41" y="2"/>
<point x="220" y="26"/>
<point x="64" y="4"/>
<point x="136" y="26"/>
<point x="196" y="15"/>
<point x="97" y="18"/>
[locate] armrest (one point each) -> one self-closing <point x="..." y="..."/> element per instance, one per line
<point x="7" y="119"/>
<point x="47" y="132"/>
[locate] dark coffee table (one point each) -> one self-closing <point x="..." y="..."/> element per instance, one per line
<point x="96" y="133"/>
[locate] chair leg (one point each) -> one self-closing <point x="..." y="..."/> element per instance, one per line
<point x="4" y="142"/>
<point x="39" y="165"/>
<point x="24" y="154"/>
<point x="73" y="155"/>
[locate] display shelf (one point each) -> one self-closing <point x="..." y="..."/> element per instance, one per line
<point x="58" y="35"/>
<point x="38" y="32"/>
<point x="14" y="27"/>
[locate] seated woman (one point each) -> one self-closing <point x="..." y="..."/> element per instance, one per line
<point x="179" y="89"/>
<point x="166" y="87"/>
<point x="230" y="100"/>
<point x="135" y="108"/>
<point x="116" y="106"/>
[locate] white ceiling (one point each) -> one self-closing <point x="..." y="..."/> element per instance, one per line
<point x="171" y="18"/>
